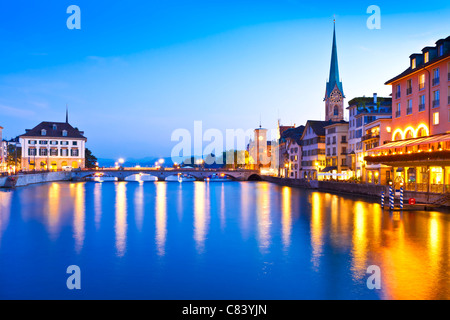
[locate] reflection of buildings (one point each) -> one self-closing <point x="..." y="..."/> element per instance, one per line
<point x="420" y="149"/>
<point x="51" y="146"/>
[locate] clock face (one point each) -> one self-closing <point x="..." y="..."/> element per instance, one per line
<point x="335" y="96"/>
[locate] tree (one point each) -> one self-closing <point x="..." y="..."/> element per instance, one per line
<point x="14" y="155"/>
<point x="91" y="160"/>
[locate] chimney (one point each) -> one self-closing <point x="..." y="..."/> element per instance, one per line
<point x="375" y="98"/>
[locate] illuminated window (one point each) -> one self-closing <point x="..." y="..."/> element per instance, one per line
<point x="413" y="63"/>
<point x="388" y="129"/>
<point x="427" y="57"/>
<point x="422" y="81"/>
<point x="436" y="118"/>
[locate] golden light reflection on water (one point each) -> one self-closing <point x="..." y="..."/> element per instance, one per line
<point x="161" y="217"/>
<point x="245" y="209"/>
<point x="411" y="248"/>
<point x="139" y="205"/>
<point x="263" y="216"/>
<point x="98" y="204"/>
<point x="316" y="227"/>
<point x="53" y="223"/>
<point x="79" y="215"/>
<point x="286" y="220"/>
<point x="121" y="218"/>
<point x="5" y="210"/>
<point x="201" y="214"/>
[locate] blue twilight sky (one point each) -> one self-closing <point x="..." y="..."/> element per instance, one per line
<point x="137" y="70"/>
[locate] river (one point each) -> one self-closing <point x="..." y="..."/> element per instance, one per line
<point x="216" y="240"/>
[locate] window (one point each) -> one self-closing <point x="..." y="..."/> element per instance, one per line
<point x="344" y="139"/>
<point x="336" y="110"/>
<point x="436" y="118"/>
<point x="413" y="63"/>
<point x="408" y="87"/>
<point x="43" y="152"/>
<point x="64" y="133"/>
<point x="43" y="132"/>
<point x="43" y="142"/>
<point x="422" y="81"/>
<point x="398" y="94"/>
<point x="435" y="77"/>
<point x="55" y="127"/>
<point x="441" y="50"/>
<point x="53" y="142"/>
<point x="409" y="107"/>
<point x="398" y="112"/>
<point x="32" y="151"/>
<point x="426" y="57"/>
<point x="422" y="103"/>
<point x="64" y="143"/>
<point x="436" y="100"/>
<point x="64" y="152"/>
<point x="74" y="152"/>
<point x="32" y="142"/>
<point x="74" y="143"/>
<point x="53" y="152"/>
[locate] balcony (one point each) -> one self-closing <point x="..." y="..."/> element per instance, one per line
<point x="408" y="91"/>
<point x="370" y="136"/>
<point x="422" y="107"/>
<point x="408" y="110"/>
<point x="398" y="95"/>
<point x="397" y="114"/>
<point x="435" y="81"/>
<point x="436" y="103"/>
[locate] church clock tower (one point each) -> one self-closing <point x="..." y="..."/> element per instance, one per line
<point x="334" y="94"/>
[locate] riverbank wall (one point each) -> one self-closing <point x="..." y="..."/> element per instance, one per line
<point x="27" y="179"/>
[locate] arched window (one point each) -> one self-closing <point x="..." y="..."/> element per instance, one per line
<point x="409" y="134"/>
<point x="336" y="110"/>
<point x="398" y="136"/>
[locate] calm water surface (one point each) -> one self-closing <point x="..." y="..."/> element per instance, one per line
<point x="221" y="240"/>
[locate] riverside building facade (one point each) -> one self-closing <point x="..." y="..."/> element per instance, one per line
<point x="419" y="152"/>
<point x="52" y="146"/>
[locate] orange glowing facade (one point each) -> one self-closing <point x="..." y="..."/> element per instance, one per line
<point x="419" y="152"/>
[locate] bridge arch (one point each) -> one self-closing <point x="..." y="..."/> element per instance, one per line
<point x="254" y="177"/>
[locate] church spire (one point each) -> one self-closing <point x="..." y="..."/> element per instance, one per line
<point x="67" y="114"/>
<point x="334" y="79"/>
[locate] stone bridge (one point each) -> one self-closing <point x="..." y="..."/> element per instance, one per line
<point x="162" y="174"/>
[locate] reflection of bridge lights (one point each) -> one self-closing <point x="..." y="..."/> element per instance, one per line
<point x="121" y="160"/>
<point x="161" y="161"/>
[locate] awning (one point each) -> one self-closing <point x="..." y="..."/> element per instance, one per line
<point x="328" y="169"/>
<point x="413" y="142"/>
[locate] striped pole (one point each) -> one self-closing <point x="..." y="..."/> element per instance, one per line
<point x="401" y="197"/>
<point x="391" y="198"/>
<point x="382" y="199"/>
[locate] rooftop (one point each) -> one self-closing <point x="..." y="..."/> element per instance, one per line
<point x="54" y="130"/>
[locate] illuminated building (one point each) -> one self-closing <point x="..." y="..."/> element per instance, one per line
<point x="313" y="149"/>
<point x="52" y="146"/>
<point x="292" y="156"/>
<point x="282" y="152"/>
<point x="334" y="93"/>
<point x="2" y="152"/>
<point x="259" y="149"/>
<point x="419" y="152"/>
<point x="362" y="112"/>
<point x="336" y="151"/>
